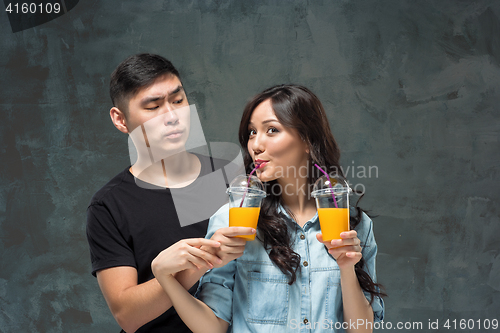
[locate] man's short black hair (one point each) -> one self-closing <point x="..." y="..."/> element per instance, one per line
<point x="136" y="72"/>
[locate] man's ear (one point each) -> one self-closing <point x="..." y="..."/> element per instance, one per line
<point x="118" y="119"/>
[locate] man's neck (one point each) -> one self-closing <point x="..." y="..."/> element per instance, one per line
<point x="175" y="171"/>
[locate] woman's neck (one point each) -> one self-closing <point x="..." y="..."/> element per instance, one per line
<point x="296" y="197"/>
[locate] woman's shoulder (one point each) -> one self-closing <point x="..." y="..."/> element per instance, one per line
<point x="365" y="226"/>
<point x="220" y="219"/>
<point x="221" y="213"/>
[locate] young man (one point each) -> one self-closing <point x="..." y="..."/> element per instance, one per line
<point x="133" y="217"/>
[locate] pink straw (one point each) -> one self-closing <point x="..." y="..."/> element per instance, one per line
<point x="248" y="183"/>
<point x="329" y="183"/>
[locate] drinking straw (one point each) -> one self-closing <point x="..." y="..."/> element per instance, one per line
<point x="329" y="183"/>
<point x="248" y="183"/>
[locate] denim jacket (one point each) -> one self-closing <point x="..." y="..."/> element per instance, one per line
<point x="253" y="295"/>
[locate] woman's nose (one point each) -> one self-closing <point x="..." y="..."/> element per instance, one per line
<point x="258" y="145"/>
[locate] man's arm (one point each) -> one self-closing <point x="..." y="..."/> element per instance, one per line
<point x="134" y="305"/>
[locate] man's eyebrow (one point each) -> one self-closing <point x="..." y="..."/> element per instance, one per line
<point x="176" y="90"/>
<point x="150" y="99"/>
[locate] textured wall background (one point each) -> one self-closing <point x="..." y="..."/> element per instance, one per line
<point x="411" y="87"/>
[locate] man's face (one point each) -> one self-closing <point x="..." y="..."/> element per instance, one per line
<point x="160" y="113"/>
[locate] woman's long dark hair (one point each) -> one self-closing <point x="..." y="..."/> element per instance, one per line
<point x="298" y="108"/>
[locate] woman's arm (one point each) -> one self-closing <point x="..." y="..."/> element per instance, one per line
<point x="357" y="309"/>
<point x="168" y="270"/>
<point x="193" y="312"/>
<point x="347" y="252"/>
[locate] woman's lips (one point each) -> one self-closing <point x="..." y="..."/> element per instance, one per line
<point x="261" y="164"/>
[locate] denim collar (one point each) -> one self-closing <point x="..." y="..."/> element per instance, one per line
<point x="313" y="220"/>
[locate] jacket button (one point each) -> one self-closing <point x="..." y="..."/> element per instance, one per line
<point x="305" y="263"/>
<point x="306" y="321"/>
<point x="302" y="236"/>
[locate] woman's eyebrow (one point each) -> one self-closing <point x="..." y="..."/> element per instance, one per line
<point x="270" y="121"/>
<point x="265" y="122"/>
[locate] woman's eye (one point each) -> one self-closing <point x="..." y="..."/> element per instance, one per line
<point x="252" y="132"/>
<point x="272" y="130"/>
<point x="153" y="108"/>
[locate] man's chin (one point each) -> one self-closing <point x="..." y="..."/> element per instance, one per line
<point x="168" y="150"/>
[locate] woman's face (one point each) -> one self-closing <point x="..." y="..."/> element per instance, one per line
<point x="279" y="150"/>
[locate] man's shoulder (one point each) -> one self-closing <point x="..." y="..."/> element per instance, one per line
<point x="109" y="187"/>
<point x="219" y="163"/>
<point x="211" y="163"/>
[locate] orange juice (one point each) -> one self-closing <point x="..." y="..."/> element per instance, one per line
<point x="244" y="217"/>
<point x="333" y="221"/>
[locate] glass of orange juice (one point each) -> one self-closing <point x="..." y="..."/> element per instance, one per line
<point x="245" y="196"/>
<point x="332" y="201"/>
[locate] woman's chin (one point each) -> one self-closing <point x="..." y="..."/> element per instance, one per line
<point x="264" y="177"/>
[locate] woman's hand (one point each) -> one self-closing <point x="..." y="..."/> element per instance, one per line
<point x="231" y="247"/>
<point x="346" y="251"/>
<point x="185" y="254"/>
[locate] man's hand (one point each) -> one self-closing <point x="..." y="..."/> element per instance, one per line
<point x="186" y="254"/>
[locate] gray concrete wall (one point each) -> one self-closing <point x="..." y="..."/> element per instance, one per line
<point x="412" y="89"/>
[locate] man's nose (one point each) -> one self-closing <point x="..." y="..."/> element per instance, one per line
<point x="170" y="117"/>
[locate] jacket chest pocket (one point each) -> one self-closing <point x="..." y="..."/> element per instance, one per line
<point x="268" y="296"/>
<point x="334" y="296"/>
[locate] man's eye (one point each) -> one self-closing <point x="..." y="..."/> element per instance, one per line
<point x="272" y="130"/>
<point x="153" y="108"/>
<point x="179" y="101"/>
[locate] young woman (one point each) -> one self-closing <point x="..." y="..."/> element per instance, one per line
<point x="288" y="279"/>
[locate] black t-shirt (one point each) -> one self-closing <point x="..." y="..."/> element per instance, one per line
<point x="128" y="225"/>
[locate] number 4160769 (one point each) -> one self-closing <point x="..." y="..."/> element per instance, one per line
<point x="33" y="8"/>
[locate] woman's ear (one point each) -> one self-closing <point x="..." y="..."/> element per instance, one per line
<point x="307" y="145"/>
